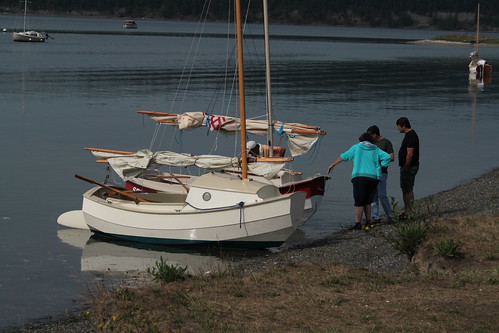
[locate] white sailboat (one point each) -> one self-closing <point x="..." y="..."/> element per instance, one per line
<point x="219" y="208"/>
<point x="28" y="35"/>
<point x="478" y="67"/>
<point x="270" y="168"/>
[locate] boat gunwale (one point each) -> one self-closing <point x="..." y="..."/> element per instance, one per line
<point x="141" y="207"/>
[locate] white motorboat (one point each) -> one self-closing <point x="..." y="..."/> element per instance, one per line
<point x="130" y="24"/>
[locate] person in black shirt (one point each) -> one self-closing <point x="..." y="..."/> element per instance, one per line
<point x="408" y="162"/>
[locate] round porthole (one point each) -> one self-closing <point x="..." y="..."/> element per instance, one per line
<point x="206" y="196"/>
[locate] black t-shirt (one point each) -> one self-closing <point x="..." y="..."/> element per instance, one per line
<point x="411" y="140"/>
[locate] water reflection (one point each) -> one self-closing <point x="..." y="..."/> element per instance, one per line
<point x="114" y="257"/>
<point x="476" y="86"/>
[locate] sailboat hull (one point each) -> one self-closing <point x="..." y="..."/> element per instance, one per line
<point x="314" y="187"/>
<point x="479" y="68"/>
<point x="29" y="36"/>
<point x="259" y="224"/>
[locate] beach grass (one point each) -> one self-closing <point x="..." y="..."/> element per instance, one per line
<point x="439" y="294"/>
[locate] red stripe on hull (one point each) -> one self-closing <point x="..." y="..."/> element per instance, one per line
<point x="313" y="187"/>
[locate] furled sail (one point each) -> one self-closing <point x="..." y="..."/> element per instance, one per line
<point x="301" y="138"/>
<point x="131" y="165"/>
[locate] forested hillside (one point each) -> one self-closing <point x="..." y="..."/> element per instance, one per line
<point x="438" y="14"/>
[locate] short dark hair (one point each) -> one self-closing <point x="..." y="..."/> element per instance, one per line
<point x="366" y="137"/>
<point x="373" y="130"/>
<point x="404" y="122"/>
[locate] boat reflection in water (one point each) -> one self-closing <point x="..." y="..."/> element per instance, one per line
<point x="104" y="254"/>
<point x="476" y="86"/>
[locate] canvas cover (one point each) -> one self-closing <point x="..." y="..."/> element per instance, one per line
<point x="298" y="143"/>
<point x="132" y="165"/>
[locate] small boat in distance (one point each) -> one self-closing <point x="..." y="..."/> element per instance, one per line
<point x="478" y="67"/>
<point x="130" y="24"/>
<point x="28" y="35"/>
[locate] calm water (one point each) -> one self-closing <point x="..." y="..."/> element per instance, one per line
<point x="82" y="90"/>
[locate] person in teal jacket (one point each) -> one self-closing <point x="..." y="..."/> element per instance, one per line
<point x="366" y="174"/>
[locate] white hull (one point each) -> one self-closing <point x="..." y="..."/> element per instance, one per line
<point x="479" y="68"/>
<point x="29" y="36"/>
<point x="73" y="219"/>
<point x="288" y="182"/>
<point x="268" y="221"/>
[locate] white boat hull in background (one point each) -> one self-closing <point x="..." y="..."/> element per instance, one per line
<point x="29" y="36"/>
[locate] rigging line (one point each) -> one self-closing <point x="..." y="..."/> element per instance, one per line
<point x="224" y="81"/>
<point x="230" y="62"/>
<point x="206" y="8"/>
<point x="240" y="204"/>
<point x="229" y="56"/>
<point x="197" y="37"/>
<point x="154" y="135"/>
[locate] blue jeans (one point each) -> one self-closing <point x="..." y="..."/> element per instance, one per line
<point x="381" y="197"/>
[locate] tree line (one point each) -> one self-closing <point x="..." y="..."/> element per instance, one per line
<point x="438" y="14"/>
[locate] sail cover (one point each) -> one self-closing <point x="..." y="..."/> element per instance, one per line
<point x="132" y="165"/>
<point x="301" y="138"/>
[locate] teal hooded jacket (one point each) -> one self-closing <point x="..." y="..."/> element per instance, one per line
<point x="367" y="160"/>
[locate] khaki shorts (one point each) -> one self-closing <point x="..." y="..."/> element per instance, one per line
<point x="407" y="177"/>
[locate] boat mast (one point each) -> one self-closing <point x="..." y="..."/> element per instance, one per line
<point x="242" y="103"/>
<point x="25" y="11"/>
<point x="267" y="76"/>
<point x="478" y="32"/>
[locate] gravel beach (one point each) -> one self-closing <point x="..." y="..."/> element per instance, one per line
<point x="361" y="249"/>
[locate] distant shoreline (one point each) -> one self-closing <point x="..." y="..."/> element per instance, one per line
<point x="445" y="42"/>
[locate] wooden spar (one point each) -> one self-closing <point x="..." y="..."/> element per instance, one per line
<point x="111" y="189"/>
<point x="305" y="132"/>
<point x="180" y="182"/>
<point x="274" y="159"/>
<point x="293" y="127"/>
<point x="163" y="121"/>
<point x="270" y="129"/>
<point x="120" y="152"/>
<point x="478" y="33"/>
<point x="302" y="126"/>
<point x="168" y="177"/>
<point x="242" y="102"/>
<point x="160" y="114"/>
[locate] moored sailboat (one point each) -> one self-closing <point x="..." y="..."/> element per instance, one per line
<point x="269" y="168"/>
<point x="478" y="67"/>
<point x="218" y="208"/>
<point x="28" y="35"/>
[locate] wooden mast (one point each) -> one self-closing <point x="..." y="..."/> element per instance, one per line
<point x="478" y="33"/>
<point x="267" y="77"/>
<point x="242" y="102"/>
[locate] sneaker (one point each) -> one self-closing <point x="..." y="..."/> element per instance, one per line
<point x="403" y="217"/>
<point x="357" y="226"/>
<point x="376" y="221"/>
<point x="369" y="225"/>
